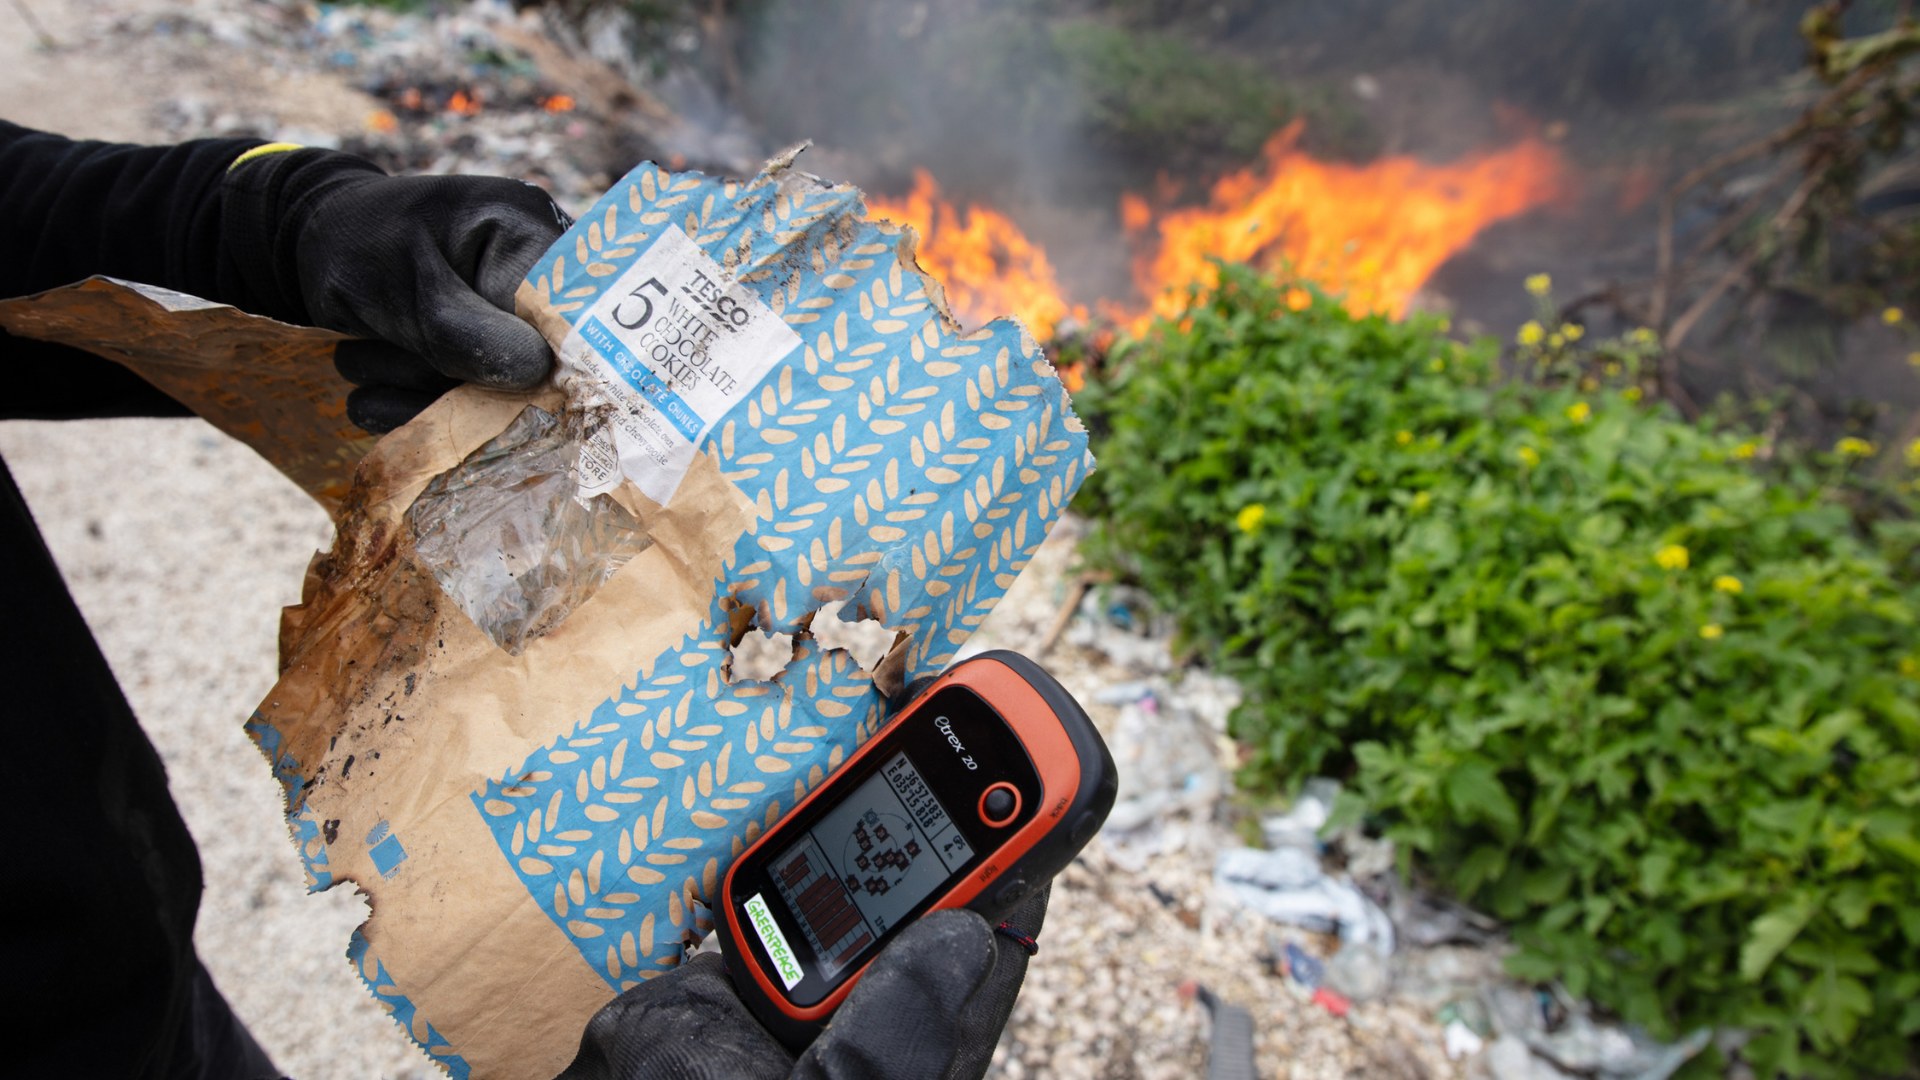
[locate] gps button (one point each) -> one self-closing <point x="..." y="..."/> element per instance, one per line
<point x="1011" y="893"/>
<point x="999" y="804"/>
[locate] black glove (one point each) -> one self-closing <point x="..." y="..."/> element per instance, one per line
<point x="931" y="1007"/>
<point x="426" y="266"/>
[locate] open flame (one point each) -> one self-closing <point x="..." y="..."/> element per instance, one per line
<point x="988" y="266"/>
<point x="1371" y="233"/>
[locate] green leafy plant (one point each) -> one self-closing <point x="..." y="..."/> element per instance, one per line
<point x="1595" y="672"/>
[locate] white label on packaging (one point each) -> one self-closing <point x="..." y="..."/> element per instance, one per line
<point x="671" y="346"/>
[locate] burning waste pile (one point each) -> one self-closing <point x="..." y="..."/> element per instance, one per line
<point x="571" y="101"/>
<point x="478" y="88"/>
<point x="1371" y="233"/>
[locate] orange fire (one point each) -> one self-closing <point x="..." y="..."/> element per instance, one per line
<point x="1373" y="233"/>
<point x="988" y="266"/>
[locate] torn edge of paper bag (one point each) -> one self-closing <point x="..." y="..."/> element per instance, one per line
<point x="270" y="385"/>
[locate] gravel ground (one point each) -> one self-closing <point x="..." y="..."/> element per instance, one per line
<point x="1103" y="998"/>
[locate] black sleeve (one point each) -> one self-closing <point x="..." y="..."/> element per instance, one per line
<point x="151" y="214"/>
<point x="160" y="215"/>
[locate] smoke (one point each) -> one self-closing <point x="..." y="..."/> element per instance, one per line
<point x="1050" y="110"/>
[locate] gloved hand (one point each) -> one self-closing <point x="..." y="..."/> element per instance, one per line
<point x="425" y="267"/>
<point x="931" y="1007"/>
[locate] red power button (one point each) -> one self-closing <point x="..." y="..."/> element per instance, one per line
<point x="999" y="804"/>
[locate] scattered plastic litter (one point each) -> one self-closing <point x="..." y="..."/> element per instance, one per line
<point x="1516" y="1010"/>
<point x="1668" y="1060"/>
<point x="1424" y="921"/>
<point x="1120" y="621"/>
<point x="1460" y="1040"/>
<point x="1176" y="762"/>
<point x="547" y="93"/>
<point x="1467" y="1012"/>
<point x="1166" y="746"/>
<point x="1359" y="971"/>
<point x="1509" y="1059"/>
<point x="1300" y="826"/>
<point x="1302" y="967"/>
<point x="1288" y="886"/>
<point x="1337" y="1004"/>
<point x="1560" y="1038"/>
<point x="1585" y="1047"/>
<point x="1230" y="1051"/>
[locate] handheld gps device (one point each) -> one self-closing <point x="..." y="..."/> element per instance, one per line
<point x="977" y="793"/>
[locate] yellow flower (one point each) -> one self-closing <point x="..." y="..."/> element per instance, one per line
<point x="1671" y="557"/>
<point x="1530" y="333"/>
<point x="1556" y="341"/>
<point x="1422" y="500"/>
<point x="1727" y="583"/>
<point x="1852" y="447"/>
<point x="1250" y="517"/>
<point x="1712" y="631"/>
<point x="1529" y="455"/>
<point x="1631" y="393"/>
<point x="1892" y="315"/>
<point x="1643" y="336"/>
<point x="1437" y="364"/>
<point x="1913" y="454"/>
<point x="1403" y="437"/>
<point x="1574" y="331"/>
<point x="1578" y="412"/>
<point x="1744" y="451"/>
<point x="1539" y="284"/>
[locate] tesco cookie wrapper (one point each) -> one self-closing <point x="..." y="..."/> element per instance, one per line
<point x="507" y="711"/>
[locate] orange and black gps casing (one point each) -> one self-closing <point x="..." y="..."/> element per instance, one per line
<point x="989" y="726"/>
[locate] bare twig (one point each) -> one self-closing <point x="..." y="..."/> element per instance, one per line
<point x="1732" y="220"/>
<point x="1663" y="259"/>
<point x="1075" y="592"/>
<point x="1610" y="295"/>
<point x="1671" y="389"/>
<point x="1685" y="323"/>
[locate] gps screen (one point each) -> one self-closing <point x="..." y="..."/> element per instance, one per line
<point x="868" y="862"/>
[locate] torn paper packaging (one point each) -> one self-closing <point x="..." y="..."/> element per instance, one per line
<point x="573" y="650"/>
<point x="511" y="707"/>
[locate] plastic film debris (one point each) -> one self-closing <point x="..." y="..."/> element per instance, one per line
<point x="508" y="541"/>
